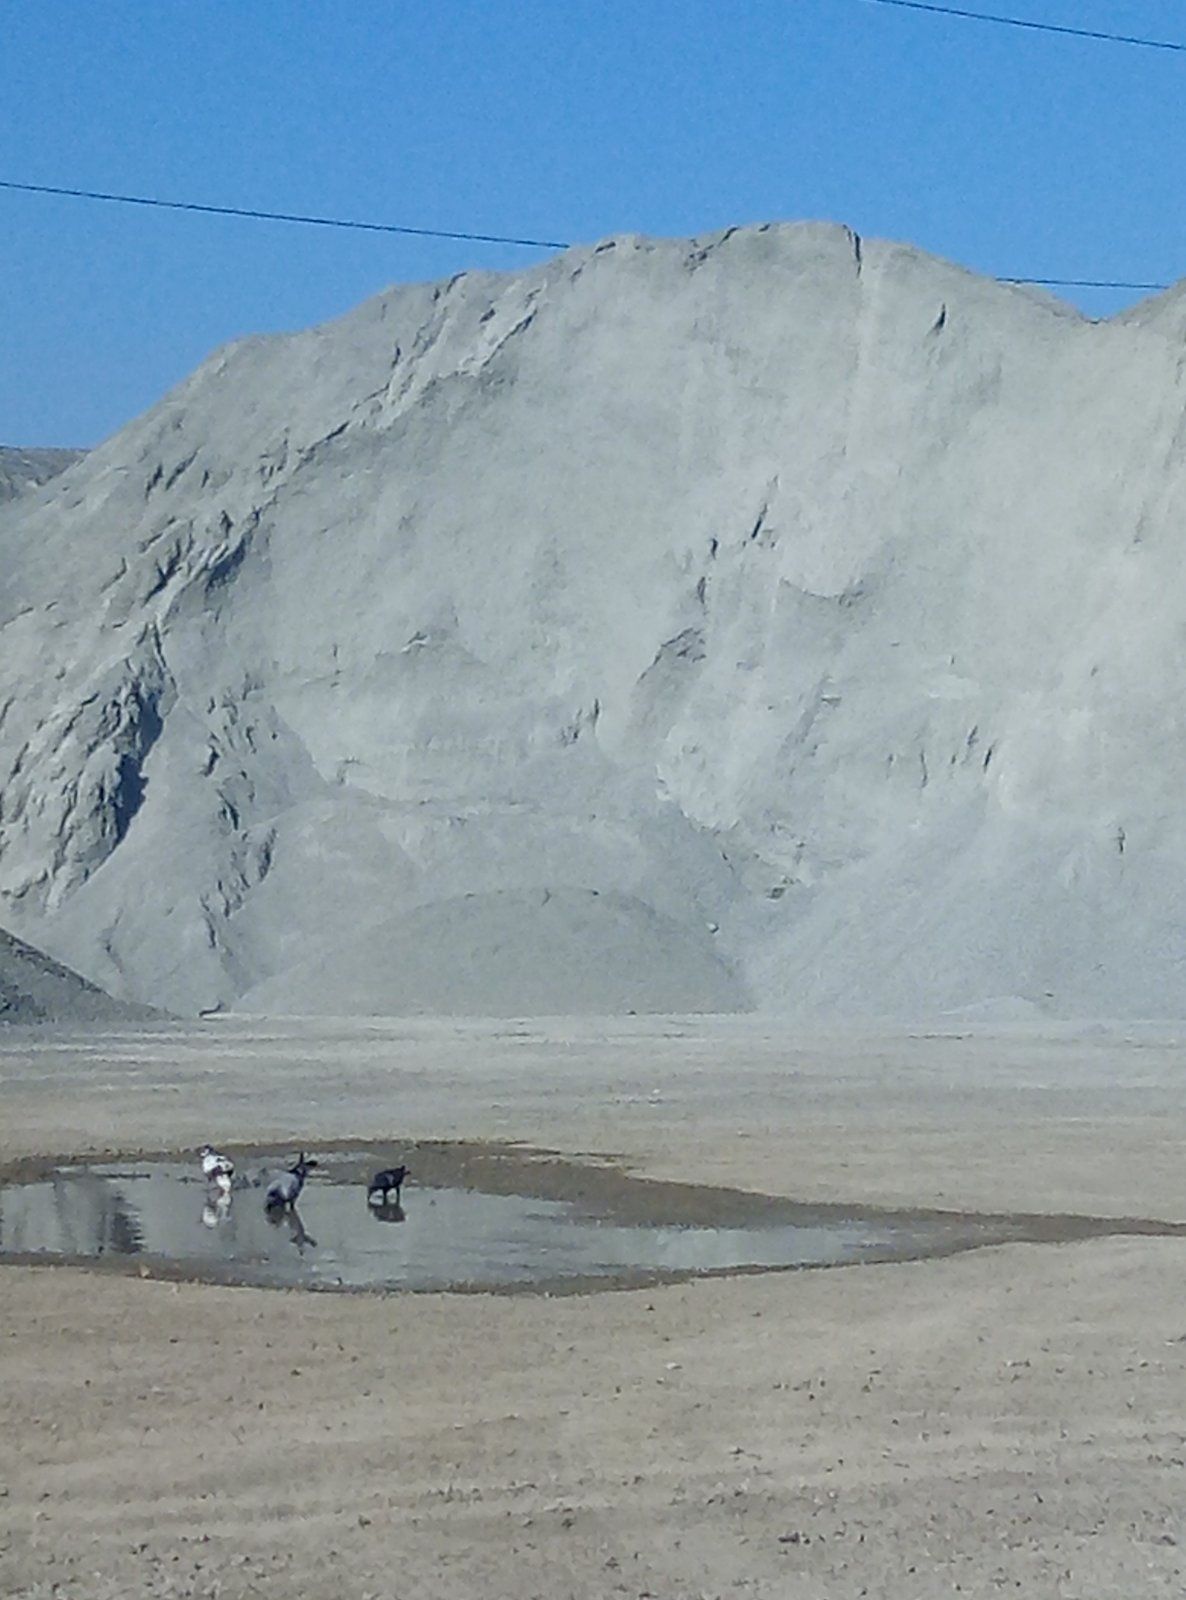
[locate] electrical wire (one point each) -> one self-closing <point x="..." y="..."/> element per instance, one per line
<point x="1085" y="283"/>
<point x="1037" y="27"/>
<point x="278" y="216"/>
<point x="256" y="215"/>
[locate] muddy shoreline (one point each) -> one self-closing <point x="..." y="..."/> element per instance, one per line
<point x="601" y="1190"/>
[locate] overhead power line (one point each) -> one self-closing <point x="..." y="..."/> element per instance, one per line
<point x="256" y="215"/>
<point x="1035" y="27"/>
<point x="279" y="216"/>
<point x="1084" y="283"/>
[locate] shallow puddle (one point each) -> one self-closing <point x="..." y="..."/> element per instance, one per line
<point x="609" y="1230"/>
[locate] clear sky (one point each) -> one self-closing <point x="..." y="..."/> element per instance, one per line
<point x="1013" y="153"/>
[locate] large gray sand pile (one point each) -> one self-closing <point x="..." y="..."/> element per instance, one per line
<point x="21" y="470"/>
<point x="35" y="989"/>
<point x="772" y="619"/>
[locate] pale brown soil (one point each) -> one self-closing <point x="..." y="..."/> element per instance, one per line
<point x="1008" y="1421"/>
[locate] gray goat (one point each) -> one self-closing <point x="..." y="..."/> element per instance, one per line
<point x="285" y="1188"/>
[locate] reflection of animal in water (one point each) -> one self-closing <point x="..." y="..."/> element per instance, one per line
<point x="380" y="1187"/>
<point x="217" y="1210"/>
<point x="296" y="1228"/>
<point x="285" y="1187"/>
<point x="218" y="1170"/>
<point x="387" y="1213"/>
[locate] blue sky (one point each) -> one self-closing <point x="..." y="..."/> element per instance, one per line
<point x="1014" y="153"/>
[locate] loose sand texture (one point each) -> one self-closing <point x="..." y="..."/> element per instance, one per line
<point x="23" y="470"/>
<point x="1006" y="1421"/>
<point x="35" y="989"/>
<point x="774" y="620"/>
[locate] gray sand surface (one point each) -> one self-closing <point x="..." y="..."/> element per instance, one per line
<point x="1005" y="1421"/>
<point x="800" y="610"/>
<point x="33" y="988"/>
<point x="23" y="470"/>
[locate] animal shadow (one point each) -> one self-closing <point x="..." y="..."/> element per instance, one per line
<point x="289" y="1217"/>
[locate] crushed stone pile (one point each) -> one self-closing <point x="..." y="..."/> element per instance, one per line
<point x="775" y="619"/>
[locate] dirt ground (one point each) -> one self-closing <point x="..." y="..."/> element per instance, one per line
<point x="1007" y="1421"/>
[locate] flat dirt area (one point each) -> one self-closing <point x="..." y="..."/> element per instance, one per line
<point x="1012" y="1420"/>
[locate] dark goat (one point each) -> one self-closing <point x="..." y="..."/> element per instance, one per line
<point x="380" y="1187"/>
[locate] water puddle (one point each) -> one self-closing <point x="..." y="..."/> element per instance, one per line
<point x="606" y="1230"/>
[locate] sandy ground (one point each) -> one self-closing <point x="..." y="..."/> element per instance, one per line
<point x="1009" y="1421"/>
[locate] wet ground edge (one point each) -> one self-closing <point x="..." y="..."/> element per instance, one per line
<point x="598" y="1186"/>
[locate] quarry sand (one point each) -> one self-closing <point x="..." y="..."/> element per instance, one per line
<point x="1010" y="1420"/>
<point x="775" y="620"/>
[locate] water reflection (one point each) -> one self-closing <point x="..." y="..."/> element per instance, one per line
<point x="72" y="1214"/>
<point x="447" y="1237"/>
<point x="217" y="1210"/>
<point x="289" y="1219"/>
